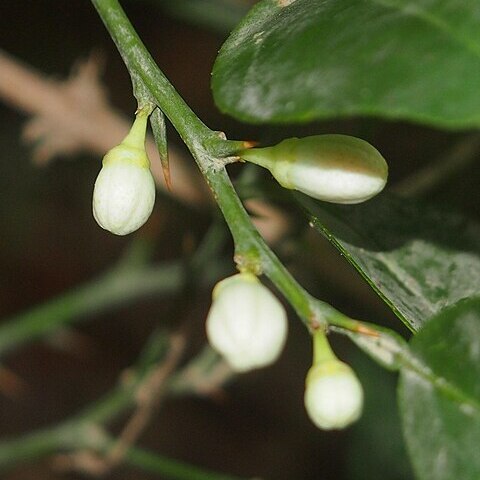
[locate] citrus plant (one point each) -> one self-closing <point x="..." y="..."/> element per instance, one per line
<point x="295" y="62"/>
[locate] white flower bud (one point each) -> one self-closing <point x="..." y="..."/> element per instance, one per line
<point x="123" y="197"/>
<point x="333" y="395"/>
<point x="246" y="324"/>
<point x="333" y="168"/>
<point x="124" y="191"/>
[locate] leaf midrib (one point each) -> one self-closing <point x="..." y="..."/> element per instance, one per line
<point x="408" y="322"/>
<point x="439" y="383"/>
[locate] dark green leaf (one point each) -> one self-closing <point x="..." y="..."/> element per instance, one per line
<point x="417" y="258"/>
<point x="295" y="61"/>
<point x="441" y="410"/>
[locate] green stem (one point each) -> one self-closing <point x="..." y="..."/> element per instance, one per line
<point x="171" y="469"/>
<point x="71" y="437"/>
<point x="83" y="430"/>
<point x="115" y="288"/>
<point x="260" y="157"/>
<point x="252" y="253"/>
<point x="125" y="282"/>
<point x="129" y="280"/>
<point x="322" y="351"/>
<point x="138" y="60"/>
<point x="76" y="432"/>
<point x="136" y="135"/>
<point x="146" y="74"/>
<point x="31" y="447"/>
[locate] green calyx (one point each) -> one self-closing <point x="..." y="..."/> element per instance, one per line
<point x="132" y="148"/>
<point x="322" y="352"/>
<point x="276" y="159"/>
<point x="329" y="368"/>
<point x="237" y="278"/>
<point x="325" y="362"/>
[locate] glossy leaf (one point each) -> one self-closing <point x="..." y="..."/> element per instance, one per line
<point x="417" y="258"/>
<point x="300" y="60"/>
<point x="441" y="410"/>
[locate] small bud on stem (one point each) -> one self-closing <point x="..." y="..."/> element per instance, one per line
<point x="124" y="191"/>
<point x="333" y="393"/>
<point x="333" y="168"/>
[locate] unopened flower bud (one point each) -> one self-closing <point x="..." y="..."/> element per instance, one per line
<point x="124" y="191"/>
<point x="333" y="395"/>
<point x="246" y="324"/>
<point x="333" y="168"/>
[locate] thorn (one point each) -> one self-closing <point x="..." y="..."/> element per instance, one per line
<point x="166" y="172"/>
<point x="250" y="143"/>
<point x="367" y="330"/>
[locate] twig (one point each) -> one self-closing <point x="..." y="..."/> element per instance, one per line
<point x="251" y="251"/>
<point x="148" y="396"/>
<point x="147" y="461"/>
<point x="112" y="289"/>
<point x="83" y="430"/>
<point x="83" y="434"/>
<point x="172" y="469"/>
<point x="204" y="376"/>
<point x="127" y="281"/>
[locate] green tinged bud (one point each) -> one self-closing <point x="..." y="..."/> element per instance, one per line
<point x="333" y="394"/>
<point x="124" y="191"/>
<point x="333" y="168"/>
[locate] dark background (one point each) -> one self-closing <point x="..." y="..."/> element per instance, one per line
<point x="50" y="243"/>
